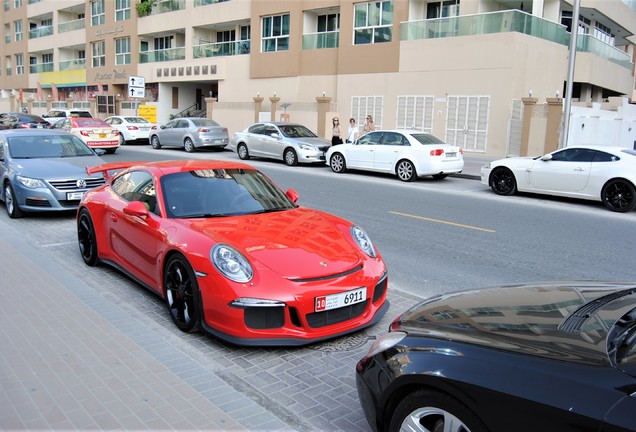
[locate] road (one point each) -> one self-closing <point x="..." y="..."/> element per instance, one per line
<point x="436" y="236"/>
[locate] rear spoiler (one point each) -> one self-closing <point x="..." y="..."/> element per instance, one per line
<point x="113" y="166"/>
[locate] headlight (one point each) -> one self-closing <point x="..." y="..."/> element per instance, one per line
<point x="231" y="263"/>
<point x="307" y="147"/>
<point x="385" y="342"/>
<point x="362" y="239"/>
<point x="31" y="183"/>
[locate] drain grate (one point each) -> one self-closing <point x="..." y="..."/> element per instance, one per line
<point x="345" y="343"/>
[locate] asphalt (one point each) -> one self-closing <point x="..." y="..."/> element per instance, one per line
<point x="85" y="349"/>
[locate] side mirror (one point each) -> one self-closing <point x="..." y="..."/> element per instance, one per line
<point x="162" y="127"/>
<point x="137" y="208"/>
<point x="275" y="135"/>
<point x="292" y="195"/>
<point x="546" y="157"/>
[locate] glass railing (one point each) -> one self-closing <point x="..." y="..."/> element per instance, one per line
<point x="71" y="25"/>
<point x="496" y="22"/>
<point x="588" y="43"/>
<point x="40" y="32"/>
<point x="630" y="4"/>
<point x="164" y="6"/>
<point x="198" y="3"/>
<point x="72" y="64"/>
<point x="162" y="55"/>
<point x="321" y="40"/>
<point x="42" y="67"/>
<point x="219" y="49"/>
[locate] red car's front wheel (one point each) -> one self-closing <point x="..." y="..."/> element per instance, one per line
<point x="181" y="292"/>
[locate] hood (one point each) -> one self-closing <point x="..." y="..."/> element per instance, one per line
<point x="540" y="319"/>
<point x="57" y="168"/>
<point x="318" y="142"/>
<point x="298" y="243"/>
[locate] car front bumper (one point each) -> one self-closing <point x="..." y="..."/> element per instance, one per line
<point x="47" y="199"/>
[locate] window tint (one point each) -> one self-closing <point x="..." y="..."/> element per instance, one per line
<point x="392" y="139"/>
<point x="600" y="156"/>
<point x="371" y="138"/>
<point x="574" y="155"/>
<point x="269" y="130"/>
<point x="137" y="186"/>
<point x="257" y="129"/>
<point x="425" y="138"/>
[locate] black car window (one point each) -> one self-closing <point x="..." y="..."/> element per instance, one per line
<point x="296" y="131"/>
<point x="600" y="156"/>
<point x="256" y="129"/>
<point x="371" y="138"/>
<point x="137" y="186"/>
<point x="269" y="130"/>
<point x="391" y="139"/>
<point x="425" y="138"/>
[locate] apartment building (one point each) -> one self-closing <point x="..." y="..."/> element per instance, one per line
<point x="464" y="70"/>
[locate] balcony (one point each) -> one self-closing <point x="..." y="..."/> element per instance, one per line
<point x="219" y="49"/>
<point x="40" y="32"/>
<point x="321" y="40"/>
<point x="72" y="64"/>
<point x="42" y="67"/>
<point x="165" y="55"/>
<point x="71" y="25"/>
<point x="590" y="44"/>
<point x="164" y="6"/>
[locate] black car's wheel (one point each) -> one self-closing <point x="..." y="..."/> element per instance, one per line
<point x="86" y="238"/>
<point x="405" y="170"/>
<point x="188" y="145"/>
<point x="338" y="163"/>
<point x="290" y="157"/>
<point x="503" y="182"/>
<point x="432" y="411"/>
<point x="181" y="292"/>
<point x="13" y="209"/>
<point x="619" y="195"/>
<point x="243" y="152"/>
<point x="154" y="141"/>
<point x="439" y="176"/>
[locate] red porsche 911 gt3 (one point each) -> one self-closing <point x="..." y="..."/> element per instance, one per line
<point x="231" y="253"/>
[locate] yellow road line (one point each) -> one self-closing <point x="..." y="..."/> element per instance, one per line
<point x="443" y="222"/>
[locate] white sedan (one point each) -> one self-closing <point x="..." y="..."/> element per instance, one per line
<point x="598" y="173"/>
<point x="408" y="154"/>
<point x="131" y="128"/>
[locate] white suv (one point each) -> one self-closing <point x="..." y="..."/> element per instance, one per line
<point x="61" y="113"/>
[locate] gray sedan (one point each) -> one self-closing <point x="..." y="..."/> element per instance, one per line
<point x="290" y="142"/>
<point x="190" y="133"/>
<point x="44" y="170"/>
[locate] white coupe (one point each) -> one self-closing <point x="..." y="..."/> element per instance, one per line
<point x="598" y="173"/>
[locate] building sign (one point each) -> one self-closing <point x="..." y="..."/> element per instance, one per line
<point x="149" y="112"/>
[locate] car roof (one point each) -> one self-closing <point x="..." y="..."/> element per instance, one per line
<point x="32" y="132"/>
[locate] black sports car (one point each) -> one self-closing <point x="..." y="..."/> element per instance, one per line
<point x="541" y="357"/>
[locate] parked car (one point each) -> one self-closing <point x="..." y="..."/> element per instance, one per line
<point x="233" y="254"/>
<point x="535" y="357"/>
<point x="44" y="170"/>
<point x="408" y="154"/>
<point x="57" y="114"/>
<point x="290" y="142"/>
<point x="598" y="173"/>
<point x="191" y="133"/>
<point x="131" y="128"/>
<point x="93" y="131"/>
<point x="18" y="120"/>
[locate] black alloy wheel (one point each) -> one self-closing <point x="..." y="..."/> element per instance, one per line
<point x="181" y="292"/>
<point x="503" y="182"/>
<point x="619" y="195"/>
<point x="86" y="238"/>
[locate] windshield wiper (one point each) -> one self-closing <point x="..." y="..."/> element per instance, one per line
<point x="269" y="210"/>
<point x="200" y="215"/>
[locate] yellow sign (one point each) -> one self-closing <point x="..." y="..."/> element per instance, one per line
<point x="149" y="112"/>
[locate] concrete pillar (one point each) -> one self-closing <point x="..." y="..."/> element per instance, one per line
<point x="258" y="106"/>
<point x="12" y="103"/>
<point x="553" y="126"/>
<point x="274" y="101"/>
<point x="209" y="106"/>
<point x="324" y="103"/>
<point x="528" y="111"/>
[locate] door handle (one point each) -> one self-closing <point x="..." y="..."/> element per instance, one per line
<point x="578" y="169"/>
<point x="113" y="217"/>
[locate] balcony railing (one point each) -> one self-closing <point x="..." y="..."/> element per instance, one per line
<point x="40" y="32"/>
<point x="588" y="43"/>
<point x="71" y="25"/>
<point x="72" y="64"/>
<point x="42" y="67"/>
<point x="162" y="55"/>
<point x="221" y="49"/>
<point x="321" y="40"/>
<point x="164" y="6"/>
<point x="198" y="3"/>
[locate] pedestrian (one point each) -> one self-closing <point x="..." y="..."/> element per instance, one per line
<point x="352" y="134"/>
<point x="336" y="137"/>
<point x="369" y="126"/>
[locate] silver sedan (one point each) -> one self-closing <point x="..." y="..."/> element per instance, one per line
<point x="190" y="133"/>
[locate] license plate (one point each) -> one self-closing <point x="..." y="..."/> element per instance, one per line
<point x="335" y="301"/>
<point x="102" y="135"/>
<point x="74" y="196"/>
<point x="451" y="154"/>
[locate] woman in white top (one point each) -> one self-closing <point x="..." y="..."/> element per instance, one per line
<point x="352" y="135"/>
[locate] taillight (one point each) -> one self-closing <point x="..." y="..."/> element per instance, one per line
<point x="154" y="128"/>
<point x="85" y="133"/>
<point x="437" y="152"/>
<point x="461" y="151"/>
<point x="133" y="128"/>
<point x="203" y="130"/>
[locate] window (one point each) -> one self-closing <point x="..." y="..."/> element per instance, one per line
<point x="122" y="51"/>
<point x="122" y="10"/>
<point x="443" y="9"/>
<point x="275" y="33"/>
<point x="97" y="13"/>
<point x="373" y="22"/>
<point x="362" y="106"/>
<point x="47" y="58"/>
<point x="245" y="33"/>
<point x="47" y="22"/>
<point x="415" y="112"/>
<point x="137" y="186"/>
<point x="98" y="50"/>
<point x="603" y="33"/>
<point x="17" y="27"/>
<point x="17" y="3"/>
<point x="19" y="64"/>
<point x="328" y="23"/>
<point x="163" y="43"/>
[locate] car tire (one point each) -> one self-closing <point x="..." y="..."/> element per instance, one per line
<point x="86" y="238"/>
<point x="13" y="209"/>
<point x="439" y="176"/>
<point x="502" y="181"/>
<point x="405" y="170"/>
<point x="242" y="151"/>
<point x="290" y="157"/>
<point x="430" y="410"/>
<point x="338" y="163"/>
<point x="111" y="150"/>
<point x="188" y="145"/>
<point x="619" y="195"/>
<point x="154" y="141"/>
<point x="181" y="293"/>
